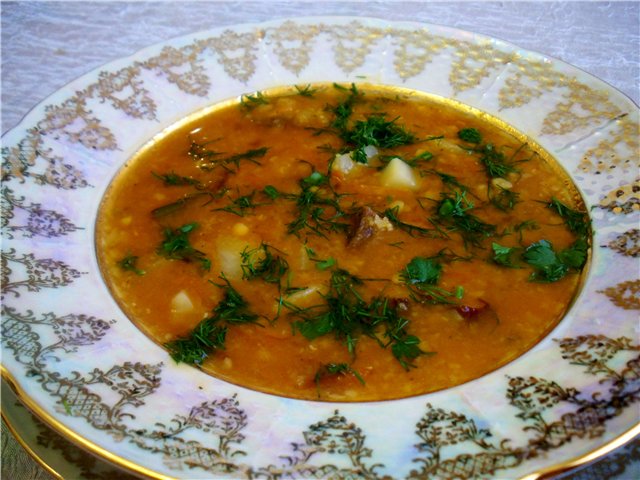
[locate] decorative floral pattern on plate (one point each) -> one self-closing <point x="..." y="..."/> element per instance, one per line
<point x="79" y="362"/>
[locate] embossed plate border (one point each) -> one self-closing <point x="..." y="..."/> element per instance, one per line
<point x="82" y="366"/>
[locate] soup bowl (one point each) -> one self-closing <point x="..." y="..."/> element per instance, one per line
<point x="77" y="362"/>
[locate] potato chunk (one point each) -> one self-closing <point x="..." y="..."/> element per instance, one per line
<point x="399" y="174"/>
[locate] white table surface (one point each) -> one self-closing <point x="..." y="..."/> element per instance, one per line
<point x="45" y="45"/>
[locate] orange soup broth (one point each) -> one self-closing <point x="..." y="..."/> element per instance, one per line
<point x="272" y="356"/>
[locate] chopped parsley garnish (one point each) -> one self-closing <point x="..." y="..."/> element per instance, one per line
<point x="452" y="213"/>
<point x="176" y="246"/>
<point x="263" y="262"/>
<point x="504" y="255"/>
<point x="210" y="334"/>
<point x="551" y="266"/>
<point x="128" y="263"/>
<point x="470" y="135"/>
<point x="421" y="276"/>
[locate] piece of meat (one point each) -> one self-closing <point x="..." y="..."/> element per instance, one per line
<point x="365" y="223"/>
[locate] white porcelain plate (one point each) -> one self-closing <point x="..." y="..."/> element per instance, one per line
<point x="82" y="366"/>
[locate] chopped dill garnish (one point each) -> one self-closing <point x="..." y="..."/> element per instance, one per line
<point x="344" y="109"/>
<point x="320" y="263"/>
<point x="348" y="316"/>
<point x="173" y="179"/>
<point x="232" y="163"/>
<point x="176" y="246"/>
<point x="250" y="101"/>
<point x="128" y="263"/>
<point x="413" y="162"/>
<point x="306" y="91"/>
<point x="503" y="198"/>
<point x="318" y="209"/>
<point x="210" y="334"/>
<point x="495" y="162"/>
<point x="240" y="205"/>
<point x="181" y="203"/>
<point x="199" y="152"/>
<point x="412" y="230"/>
<point x="449" y="181"/>
<point x="263" y="262"/>
<point x="518" y="228"/>
<point x="379" y="132"/>
<point x="577" y="222"/>
<point x="334" y="369"/>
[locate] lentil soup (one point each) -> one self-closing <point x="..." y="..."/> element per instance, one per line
<point x="343" y="242"/>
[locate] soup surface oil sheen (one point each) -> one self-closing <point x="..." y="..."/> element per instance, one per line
<point x="343" y="242"/>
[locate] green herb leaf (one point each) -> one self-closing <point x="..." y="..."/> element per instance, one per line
<point x="210" y="334"/>
<point x="577" y="222"/>
<point x="422" y="270"/>
<point x="406" y="349"/>
<point x="318" y="208"/>
<point x="549" y="268"/>
<point x="335" y="369"/>
<point x="504" y="255"/>
<point x="250" y="101"/>
<point x="240" y="205"/>
<point x="495" y="162"/>
<point x="263" y="262"/>
<point x="502" y="198"/>
<point x="348" y="316"/>
<point x="306" y="91"/>
<point x="421" y="276"/>
<point x="470" y="135"/>
<point x="128" y="263"/>
<point x="379" y="132"/>
<point x="325" y="264"/>
<point x="173" y="179"/>
<point x="271" y="192"/>
<point x="452" y="214"/>
<point x="575" y="256"/>
<point x="412" y="230"/>
<point x="176" y="246"/>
